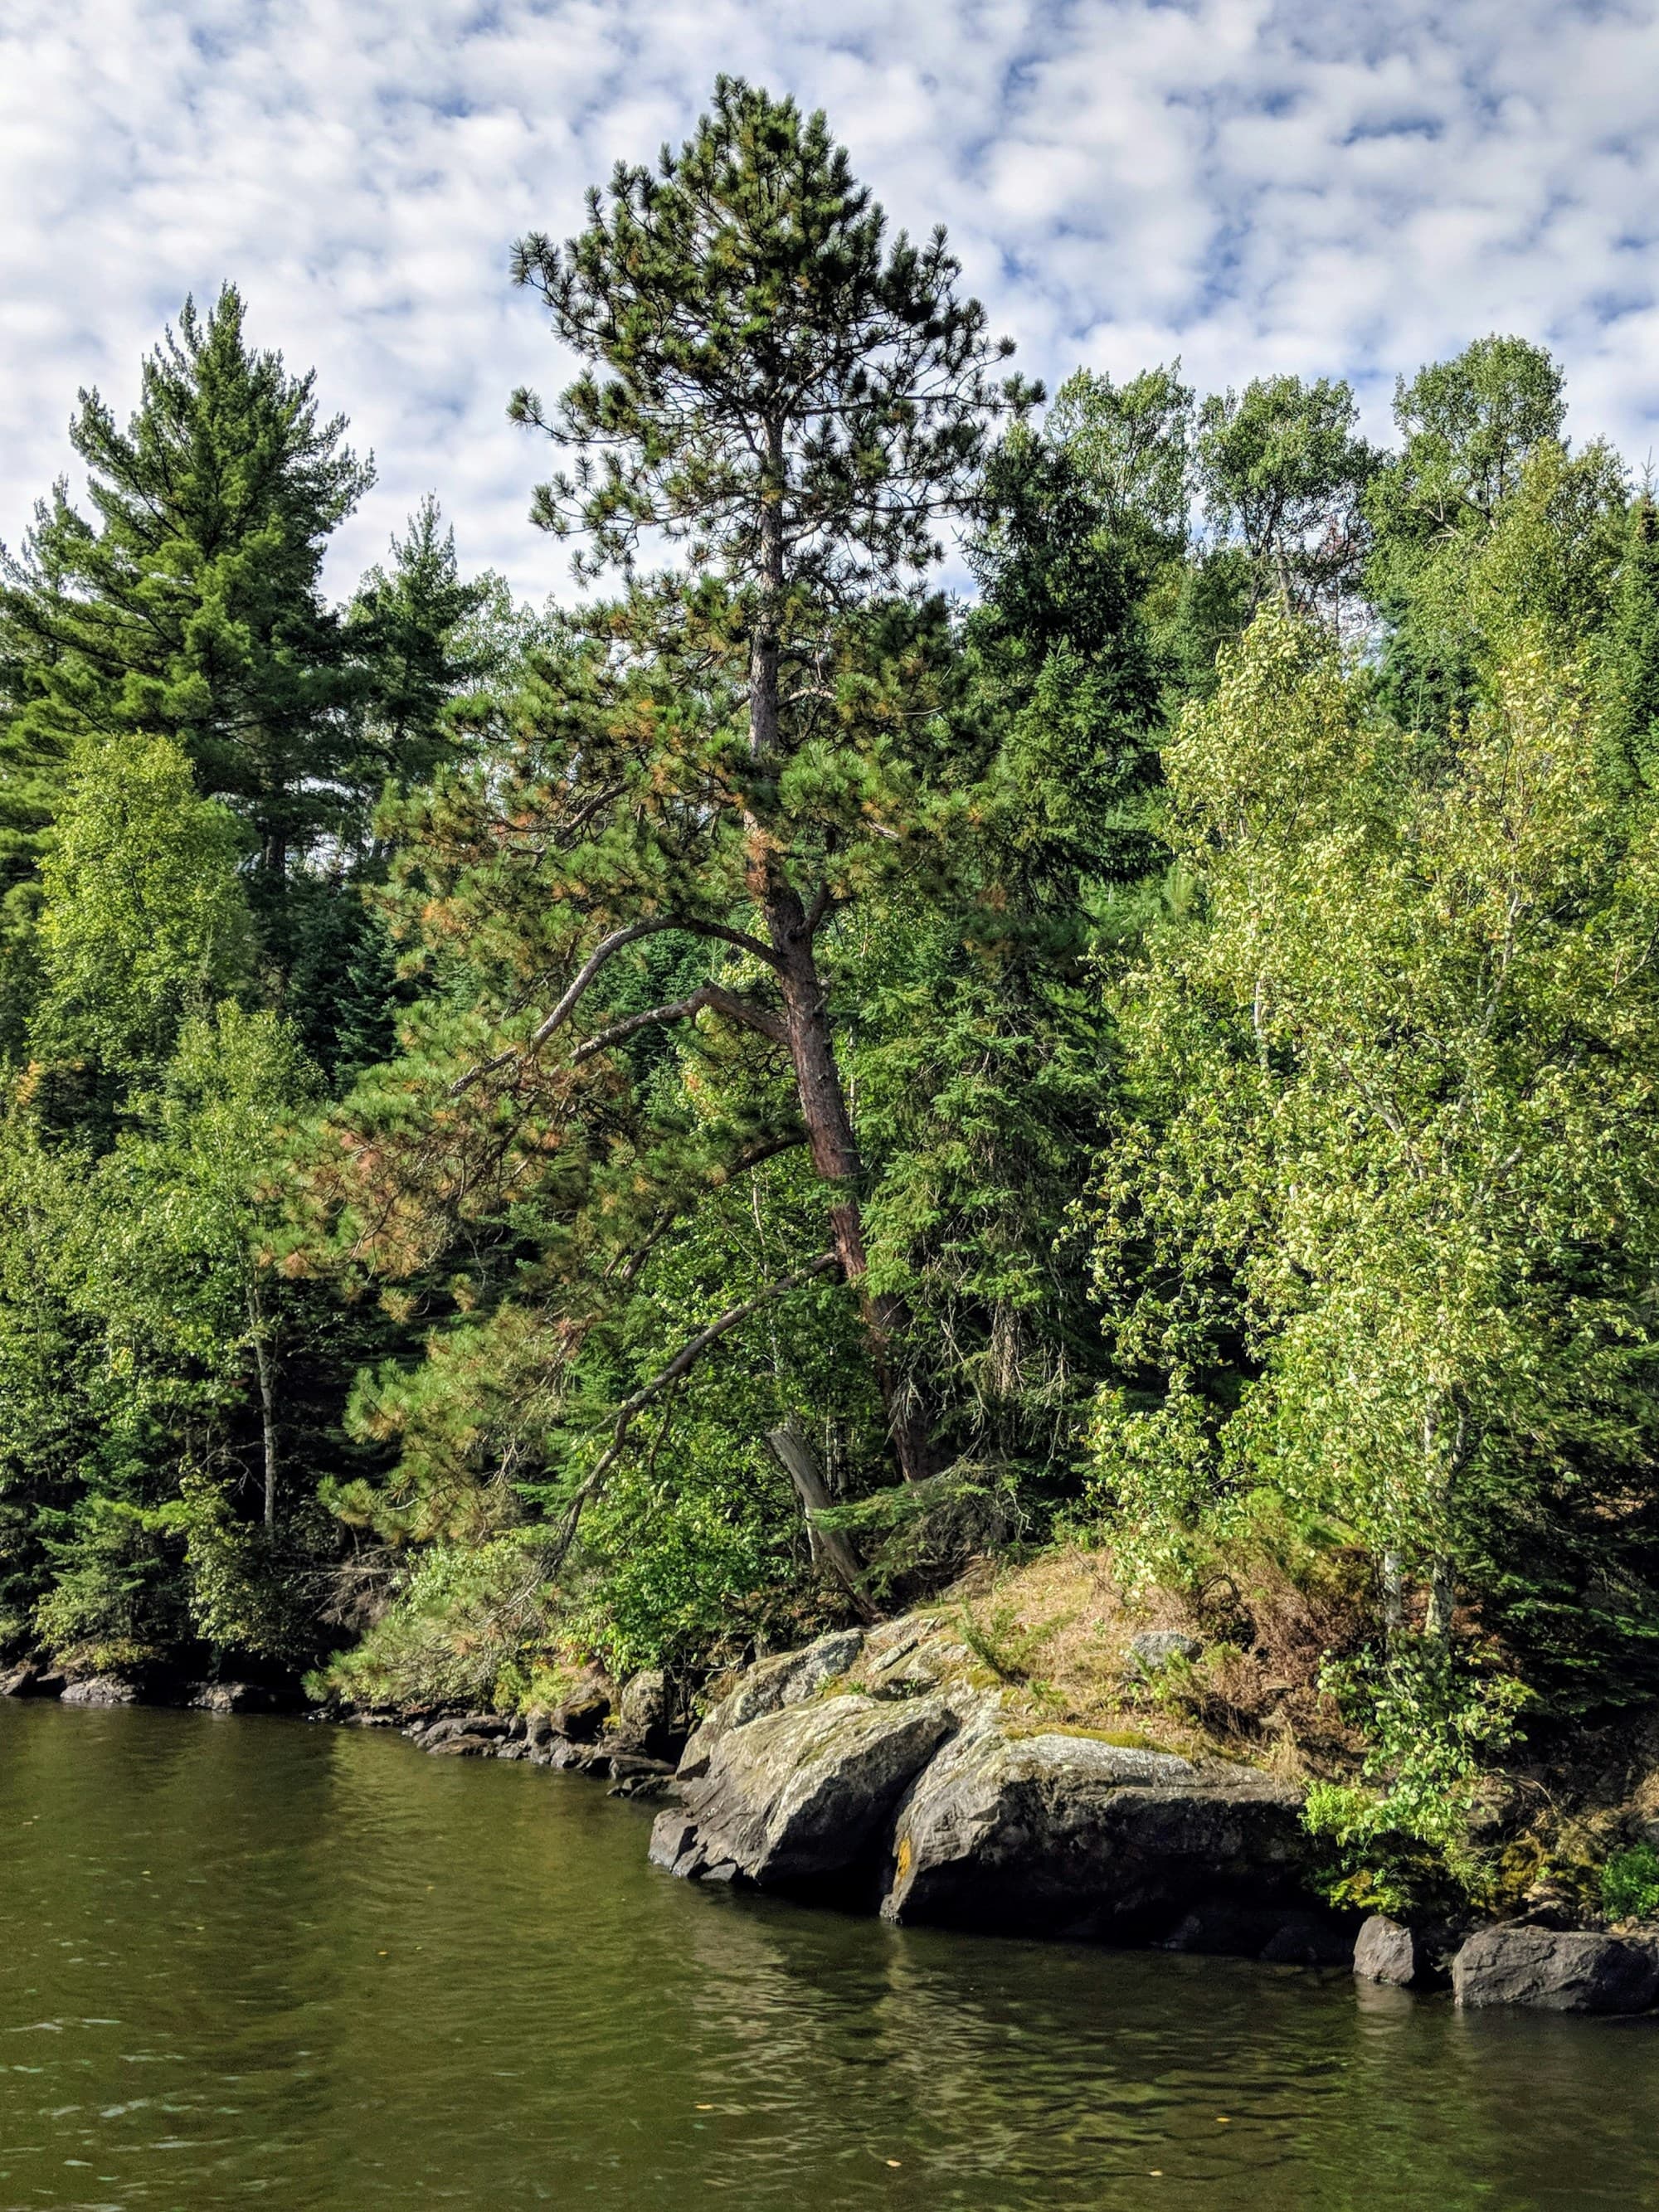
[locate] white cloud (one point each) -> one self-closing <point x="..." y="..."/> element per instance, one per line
<point x="1256" y="186"/>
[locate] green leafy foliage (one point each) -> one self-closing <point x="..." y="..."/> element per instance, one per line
<point x="633" y="1133"/>
<point x="1630" y="1884"/>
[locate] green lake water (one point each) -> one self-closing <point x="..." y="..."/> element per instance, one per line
<point x="257" y="1961"/>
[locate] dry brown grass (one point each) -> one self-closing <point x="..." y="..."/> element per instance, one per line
<point x="1056" y="1634"/>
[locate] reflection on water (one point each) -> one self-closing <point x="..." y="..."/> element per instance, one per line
<point x="245" y="1960"/>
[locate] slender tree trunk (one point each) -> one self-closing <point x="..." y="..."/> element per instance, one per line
<point x="831" y="1547"/>
<point x="806" y="1018"/>
<point x="1393" y="1593"/>
<point x="267" y="1402"/>
<point x="1444" y="1460"/>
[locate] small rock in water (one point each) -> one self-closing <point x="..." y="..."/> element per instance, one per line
<point x="1308" y="1938"/>
<point x="1386" y="1952"/>
<point x="1226" y="1928"/>
<point x="232" y="1698"/>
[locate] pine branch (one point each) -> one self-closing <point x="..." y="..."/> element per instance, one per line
<point x="590" y="968"/>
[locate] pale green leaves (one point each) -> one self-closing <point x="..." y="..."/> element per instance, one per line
<point x="144" y="915"/>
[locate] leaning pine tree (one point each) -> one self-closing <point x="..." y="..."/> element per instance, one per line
<point x="713" y="769"/>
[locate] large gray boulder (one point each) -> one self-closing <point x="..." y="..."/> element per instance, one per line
<point x="1155" y="1649"/>
<point x="1408" y="1957"/>
<point x="1061" y="1834"/>
<point x="789" y="1678"/>
<point x="803" y="1796"/>
<point x="1558" y="1970"/>
<point x="466" y="1736"/>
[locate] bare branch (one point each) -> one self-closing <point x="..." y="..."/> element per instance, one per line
<point x="590" y="968"/>
<point x="679" y="1010"/>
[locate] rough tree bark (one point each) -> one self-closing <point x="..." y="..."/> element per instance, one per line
<point x="807" y="1017"/>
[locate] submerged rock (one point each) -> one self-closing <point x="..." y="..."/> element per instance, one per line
<point x="1557" y="1971"/>
<point x="1059" y="1834"/>
<point x="1305" y="1936"/>
<point x="803" y="1796"/>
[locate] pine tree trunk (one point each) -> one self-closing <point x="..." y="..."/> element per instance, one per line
<point x="811" y="1049"/>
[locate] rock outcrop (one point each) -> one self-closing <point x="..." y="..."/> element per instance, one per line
<point x="644" y="1722"/>
<point x="466" y="1736"/>
<point x="32" y="1680"/>
<point x="1558" y="1970"/>
<point x="579" y="1716"/>
<point x="233" y="1697"/>
<point x="1057" y="1834"/>
<point x="802" y="1797"/>
<point x="101" y="1690"/>
<point x="876" y="1767"/>
<point x="788" y="1678"/>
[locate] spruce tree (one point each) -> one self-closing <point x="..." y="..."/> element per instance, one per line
<point x="1631" y="664"/>
<point x="189" y="605"/>
<point x="413" y="630"/>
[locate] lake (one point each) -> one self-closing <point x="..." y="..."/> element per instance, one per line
<point x="260" y="1960"/>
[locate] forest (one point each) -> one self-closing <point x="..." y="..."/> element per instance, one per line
<point x="628" y="1131"/>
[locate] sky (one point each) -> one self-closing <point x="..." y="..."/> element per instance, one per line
<point x="1346" y="188"/>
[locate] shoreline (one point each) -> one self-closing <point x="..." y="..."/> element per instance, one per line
<point x="860" y="1772"/>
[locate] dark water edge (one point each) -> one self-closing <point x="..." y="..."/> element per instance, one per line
<point x="248" y="1961"/>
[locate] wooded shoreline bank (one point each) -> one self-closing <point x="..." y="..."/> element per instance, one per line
<point x="870" y="1771"/>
